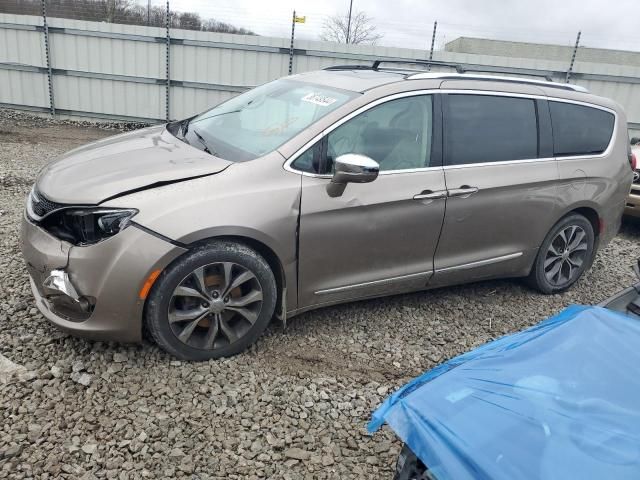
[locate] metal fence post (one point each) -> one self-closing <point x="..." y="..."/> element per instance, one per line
<point x="293" y="29"/>
<point x="168" y="65"/>
<point x="433" y="43"/>
<point x="573" y="58"/>
<point x="52" y="105"/>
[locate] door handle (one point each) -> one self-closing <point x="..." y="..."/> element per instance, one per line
<point x="430" y="195"/>
<point x="464" y="191"/>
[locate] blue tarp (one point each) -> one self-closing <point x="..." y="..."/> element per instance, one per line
<point x="560" y="400"/>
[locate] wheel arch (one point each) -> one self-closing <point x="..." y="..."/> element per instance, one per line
<point x="590" y="214"/>
<point x="588" y="211"/>
<point x="266" y="251"/>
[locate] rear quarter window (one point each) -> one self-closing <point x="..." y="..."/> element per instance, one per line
<point x="580" y="130"/>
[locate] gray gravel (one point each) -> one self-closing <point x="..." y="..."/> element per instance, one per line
<point x="294" y="406"/>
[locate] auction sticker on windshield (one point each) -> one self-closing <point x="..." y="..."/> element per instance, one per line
<point x="318" y="99"/>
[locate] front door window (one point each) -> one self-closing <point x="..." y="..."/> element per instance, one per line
<point x="396" y="134"/>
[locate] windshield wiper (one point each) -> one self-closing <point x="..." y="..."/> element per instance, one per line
<point x="219" y="114"/>
<point x="203" y="141"/>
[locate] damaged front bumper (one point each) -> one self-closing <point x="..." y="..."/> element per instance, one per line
<point x="58" y="283"/>
<point x="93" y="291"/>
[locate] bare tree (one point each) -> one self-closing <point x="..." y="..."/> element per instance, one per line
<point x="119" y="11"/>
<point x="187" y="20"/>
<point x="362" y="30"/>
<point x="212" y="25"/>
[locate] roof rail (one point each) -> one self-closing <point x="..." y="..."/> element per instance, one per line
<point x="509" y="70"/>
<point x="417" y="61"/>
<point x="461" y="68"/>
<point x="497" y="78"/>
<point x="348" y="67"/>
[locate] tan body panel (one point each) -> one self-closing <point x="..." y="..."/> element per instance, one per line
<point x="502" y="224"/>
<point x="632" y="207"/>
<point x="112" y="271"/>
<point x="254" y="200"/>
<point x="350" y="246"/>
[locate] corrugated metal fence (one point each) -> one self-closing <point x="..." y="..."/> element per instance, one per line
<point x="112" y="71"/>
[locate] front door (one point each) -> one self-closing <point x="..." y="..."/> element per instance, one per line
<point x="380" y="237"/>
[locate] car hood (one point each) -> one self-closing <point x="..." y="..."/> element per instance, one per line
<point x="124" y="163"/>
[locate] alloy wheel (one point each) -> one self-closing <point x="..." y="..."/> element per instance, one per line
<point x="215" y="305"/>
<point x="566" y="256"/>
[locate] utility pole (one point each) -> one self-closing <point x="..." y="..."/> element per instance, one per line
<point x="148" y="12"/>
<point x="349" y="21"/>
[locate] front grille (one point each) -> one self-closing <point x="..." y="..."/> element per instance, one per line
<point x="42" y="206"/>
<point x="636" y="177"/>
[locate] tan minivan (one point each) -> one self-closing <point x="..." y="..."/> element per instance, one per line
<point x="633" y="202"/>
<point x="321" y="188"/>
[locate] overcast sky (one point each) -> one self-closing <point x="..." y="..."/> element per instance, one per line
<point x="408" y="23"/>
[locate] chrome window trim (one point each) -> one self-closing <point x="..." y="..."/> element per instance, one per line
<point x="409" y="170"/>
<point x="287" y="164"/>
<point x="497" y="164"/>
<point x="481" y="263"/>
<point x="614" y="132"/>
<point x="492" y="93"/>
<point x="373" y="282"/>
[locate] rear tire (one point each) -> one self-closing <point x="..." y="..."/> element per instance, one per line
<point x="565" y="254"/>
<point x="410" y="467"/>
<point x="212" y="302"/>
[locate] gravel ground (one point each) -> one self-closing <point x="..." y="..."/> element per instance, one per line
<point x="294" y="406"/>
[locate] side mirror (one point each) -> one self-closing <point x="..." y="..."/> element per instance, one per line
<point x="352" y="168"/>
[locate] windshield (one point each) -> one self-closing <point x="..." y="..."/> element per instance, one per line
<point x="260" y="120"/>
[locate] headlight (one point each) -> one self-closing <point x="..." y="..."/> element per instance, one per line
<point x="86" y="226"/>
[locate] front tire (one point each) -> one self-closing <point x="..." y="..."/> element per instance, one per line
<point x="212" y="302"/>
<point x="565" y="254"/>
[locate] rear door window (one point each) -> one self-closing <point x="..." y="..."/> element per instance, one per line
<point x="487" y="128"/>
<point x="580" y="130"/>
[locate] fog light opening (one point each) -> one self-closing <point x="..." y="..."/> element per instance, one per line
<point x="70" y="309"/>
